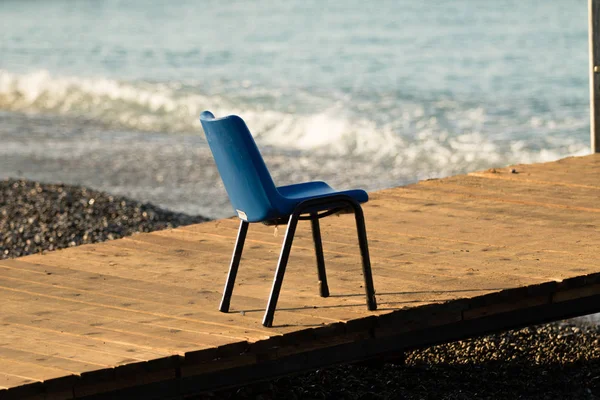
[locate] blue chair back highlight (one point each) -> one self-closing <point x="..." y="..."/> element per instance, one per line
<point x="247" y="180"/>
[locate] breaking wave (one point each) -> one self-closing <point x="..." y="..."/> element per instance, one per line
<point x="416" y="139"/>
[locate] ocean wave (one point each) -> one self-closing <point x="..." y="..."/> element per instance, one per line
<point x="141" y="106"/>
<point x="416" y="137"/>
<point x="163" y="107"/>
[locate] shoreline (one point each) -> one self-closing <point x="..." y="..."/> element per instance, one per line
<point x="173" y="170"/>
<point x="556" y="360"/>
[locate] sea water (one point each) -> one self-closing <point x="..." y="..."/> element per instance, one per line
<point x="375" y="94"/>
<point x="370" y="94"/>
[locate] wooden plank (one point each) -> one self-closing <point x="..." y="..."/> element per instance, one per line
<point x="70" y="366"/>
<point x="161" y="346"/>
<point x="387" y="263"/>
<point x="420" y="241"/>
<point x="568" y="172"/>
<point x="536" y="178"/>
<point x="30" y="371"/>
<point x="8" y="381"/>
<point x="429" y="248"/>
<point x="576" y="293"/>
<point x="147" y="308"/>
<point x="128" y="291"/>
<point x="484" y="229"/>
<point x="138" y="374"/>
<point x="74" y="284"/>
<point x="152" y="308"/>
<point x="547" y="196"/>
<point x="450" y="216"/>
<point x="352" y="277"/>
<point x="79" y="349"/>
<point x="101" y="323"/>
<point x="436" y="255"/>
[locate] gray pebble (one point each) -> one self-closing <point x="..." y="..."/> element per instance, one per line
<point x="36" y="217"/>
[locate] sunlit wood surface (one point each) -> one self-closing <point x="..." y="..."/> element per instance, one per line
<point x="101" y="317"/>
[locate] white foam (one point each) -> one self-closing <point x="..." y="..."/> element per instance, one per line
<point x="425" y="148"/>
<point x="160" y="107"/>
<point x="139" y="106"/>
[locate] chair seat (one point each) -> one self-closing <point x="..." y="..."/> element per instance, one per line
<point x="297" y="193"/>
<point x="305" y="189"/>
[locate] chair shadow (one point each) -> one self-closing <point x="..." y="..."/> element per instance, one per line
<point x="419" y="292"/>
<point x="317" y="307"/>
<point x="298" y="325"/>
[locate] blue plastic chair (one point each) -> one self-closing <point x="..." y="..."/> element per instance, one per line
<point x="255" y="198"/>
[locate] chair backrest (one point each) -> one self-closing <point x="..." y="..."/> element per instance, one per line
<point x="249" y="185"/>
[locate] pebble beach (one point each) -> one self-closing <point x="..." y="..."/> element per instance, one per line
<point x="552" y="361"/>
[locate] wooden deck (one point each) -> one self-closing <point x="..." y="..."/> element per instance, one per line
<point x="451" y="258"/>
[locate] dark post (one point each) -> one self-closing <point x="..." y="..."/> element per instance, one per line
<point x="594" y="42"/>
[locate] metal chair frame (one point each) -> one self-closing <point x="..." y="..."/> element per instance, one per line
<point x="311" y="207"/>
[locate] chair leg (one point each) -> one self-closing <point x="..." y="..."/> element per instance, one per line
<point x="316" y="232"/>
<point x="233" y="268"/>
<point x="364" y="252"/>
<point x="281" y="265"/>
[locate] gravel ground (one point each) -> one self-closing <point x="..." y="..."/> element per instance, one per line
<point x="36" y="217"/>
<point x="552" y="361"/>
